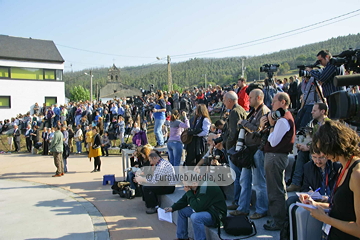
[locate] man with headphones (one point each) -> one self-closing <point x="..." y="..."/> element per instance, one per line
<point x="277" y="148"/>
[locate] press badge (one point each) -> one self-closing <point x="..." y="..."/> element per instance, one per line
<point x="326" y="228"/>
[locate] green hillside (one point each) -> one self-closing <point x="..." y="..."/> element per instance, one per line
<point x="219" y="71"/>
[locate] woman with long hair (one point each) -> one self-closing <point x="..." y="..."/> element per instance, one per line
<point x="174" y="144"/>
<point x="95" y="149"/>
<point x="339" y="143"/>
<point x="159" y="117"/>
<point x="199" y="129"/>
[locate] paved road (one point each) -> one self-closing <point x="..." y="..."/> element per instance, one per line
<point x="34" y="205"/>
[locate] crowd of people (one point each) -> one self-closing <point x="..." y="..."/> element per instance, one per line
<point x="271" y="115"/>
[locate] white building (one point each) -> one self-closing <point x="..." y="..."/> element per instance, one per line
<point x="31" y="71"/>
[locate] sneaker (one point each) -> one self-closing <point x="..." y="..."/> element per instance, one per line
<point x="293" y="188"/>
<point x="232" y="207"/>
<point x="57" y="175"/>
<point x="238" y="213"/>
<point x="257" y="215"/>
<point x="93" y="171"/>
<point x="151" y="210"/>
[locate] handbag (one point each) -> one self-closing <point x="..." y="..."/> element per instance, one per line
<point x="238" y="225"/>
<point x="243" y="158"/>
<point x="185" y="137"/>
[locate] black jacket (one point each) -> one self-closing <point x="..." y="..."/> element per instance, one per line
<point x="313" y="178"/>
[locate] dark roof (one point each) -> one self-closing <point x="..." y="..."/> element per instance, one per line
<point x="29" y="49"/>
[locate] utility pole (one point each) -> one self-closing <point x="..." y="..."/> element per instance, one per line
<point x="170" y="87"/>
<point x="97" y="91"/>
<point x="205" y="80"/>
<point x="242" y="67"/>
<point x="91" y="90"/>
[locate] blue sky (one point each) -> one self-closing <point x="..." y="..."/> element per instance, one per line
<point x="140" y="31"/>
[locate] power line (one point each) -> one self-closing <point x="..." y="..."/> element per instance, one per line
<point x="265" y="38"/>
<point x="109" y="54"/>
<point x="270" y="40"/>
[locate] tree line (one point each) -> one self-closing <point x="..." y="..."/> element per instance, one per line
<point x="220" y="71"/>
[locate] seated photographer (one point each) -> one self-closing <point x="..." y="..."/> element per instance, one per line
<point x="160" y="182"/>
<point x="140" y="159"/>
<point x="319" y="112"/>
<point x="202" y="202"/>
<point x="210" y="145"/>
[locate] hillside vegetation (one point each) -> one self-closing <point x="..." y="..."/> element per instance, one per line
<point x="219" y="71"/>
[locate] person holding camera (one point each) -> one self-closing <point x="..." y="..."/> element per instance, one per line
<point x="277" y="148"/>
<point x="326" y="75"/>
<point x="231" y="132"/>
<point x="252" y="125"/>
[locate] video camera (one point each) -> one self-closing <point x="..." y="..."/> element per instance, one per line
<point x="146" y="92"/>
<point x="350" y="58"/>
<point x="138" y="102"/>
<point x="269" y="69"/>
<point x="344" y="105"/>
<point x="303" y="72"/>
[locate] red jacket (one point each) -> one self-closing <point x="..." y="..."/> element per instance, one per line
<point x="243" y="98"/>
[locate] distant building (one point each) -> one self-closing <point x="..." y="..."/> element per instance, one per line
<point x="114" y="88"/>
<point x="31" y="70"/>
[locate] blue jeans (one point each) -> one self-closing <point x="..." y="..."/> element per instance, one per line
<point x="78" y="147"/>
<point x="106" y="126"/>
<point x="175" y="149"/>
<point x="237" y="187"/>
<point x="259" y="185"/>
<point x="199" y="221"/>
<point x="77" y="119"/>
<point x="158" y="131"/>
<point x="302" y="158"/>
<point x="129" y="178"/>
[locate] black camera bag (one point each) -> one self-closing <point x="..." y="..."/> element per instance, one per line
<point x="243" y="158"/>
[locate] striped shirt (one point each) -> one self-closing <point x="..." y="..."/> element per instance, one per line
<point x="326" y="75"/>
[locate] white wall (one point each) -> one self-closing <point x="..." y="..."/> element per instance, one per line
<point x="28" y="64"/>
<point x="25" y="93"/>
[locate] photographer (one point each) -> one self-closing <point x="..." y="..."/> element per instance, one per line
<point x="280" y="143"/>
<point x="231" y="129"/>
<point x="326" y="75"/>
<point x="252" y="124"/>
<point x="311" y="93"/>
<point x="216" y="148"/>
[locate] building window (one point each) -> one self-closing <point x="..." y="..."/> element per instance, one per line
<point x="27" y="73"/>
<point x="5" y="102"/>
<point x="59" y="75"/>
<point x="50" y="101"/>
<point x="4" y="72"/>
<point x="49" y="74"/>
